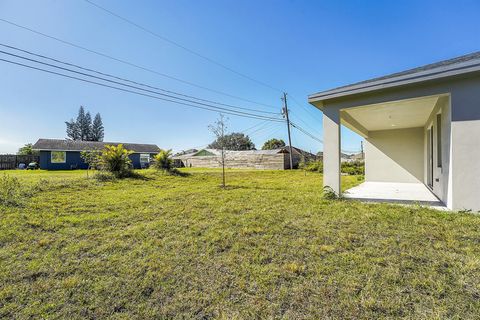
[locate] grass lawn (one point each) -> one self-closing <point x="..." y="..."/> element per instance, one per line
<point x="267" y="247"/>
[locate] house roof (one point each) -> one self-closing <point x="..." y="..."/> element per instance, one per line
<point x="73" y="145"/>
<point x="446" y="68"/>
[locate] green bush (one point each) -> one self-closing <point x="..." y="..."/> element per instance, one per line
<point x="312" y="166"/>
<point x="349" y="168"/>
<point x="10" y="191"/>
<point x="104" y="176"/>
<point x="115" y="160"/>
<point x="163" y="160"/>
<point x="353" y="168"/>
<point x="13" y="193"/>
<point x="329" y="193"/>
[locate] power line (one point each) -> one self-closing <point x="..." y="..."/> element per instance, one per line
<point x="267" y="126"/>
<point x="142" y="94"/>
<point x="305" y="123"/>
<point x="304" y="108"/>
<point x="296" y="126"/>
<point x="133" y="64"/>
<point x="271" y="131"/>
<point x="131" y="86"/>
<point x="180" y="46"/>
<point x="122" y="79"/>
<point x="257" y="127"/>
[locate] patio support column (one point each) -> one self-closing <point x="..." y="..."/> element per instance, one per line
<point x="331" y="149"/>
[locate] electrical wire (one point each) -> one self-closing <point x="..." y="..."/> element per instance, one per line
<point x="303" y="107"/>
<point x="120" y="78"/>
<point x="138" y="26"/>
<point x="135" y="87"/>
<point x="131" y="64"/>
<point x="139" y="93"/>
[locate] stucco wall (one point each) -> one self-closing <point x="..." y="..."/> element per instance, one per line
<point x="394" y="155"/>
<point x="465" y="101"/>
<point x="441" y="175"/>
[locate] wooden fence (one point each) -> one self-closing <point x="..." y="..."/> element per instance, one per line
<point x="11" y="161"/>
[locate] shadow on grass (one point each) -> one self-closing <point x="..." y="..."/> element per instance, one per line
<point x="235" y="187"/>
<point x="104" y="176"/>
<point x="136" y="176"/>
<point x="173" y="172"/>
<point x="178" y="173"/>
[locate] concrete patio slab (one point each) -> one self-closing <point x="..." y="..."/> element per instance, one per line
<point x="392" y="192"/>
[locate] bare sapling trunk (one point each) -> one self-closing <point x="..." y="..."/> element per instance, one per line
<point x="219" y="129"/>
<point x="223" y="168"/>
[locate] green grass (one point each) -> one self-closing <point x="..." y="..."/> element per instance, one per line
<point x="266" y="247"/>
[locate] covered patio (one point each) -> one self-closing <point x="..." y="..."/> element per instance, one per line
<point x="406" y="148"/>
<point x="403" y="149"/>
<point x="421" y="129"/>
<point x="406" y="124"/>
<point x="401" y="193"/>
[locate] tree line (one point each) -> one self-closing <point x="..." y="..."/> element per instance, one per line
<point x="237" y="141"/>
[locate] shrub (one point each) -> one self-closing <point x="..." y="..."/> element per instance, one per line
<point x="13" y="193"/>
<point x="329" y="193"/>
<point x="115" y="159"/>
<point x="104" y="176"/>
<point x="353" y="168"/>
<point x="349" y="168"/>
<point x="313" y="166"/>
<point x="163" y="160"/>
<point x="10" y="191"/>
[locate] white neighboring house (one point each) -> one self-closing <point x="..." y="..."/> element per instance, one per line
<point x="421" y="128"/>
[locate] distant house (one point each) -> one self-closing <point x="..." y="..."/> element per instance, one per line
<point x="277" y="159"/>
<point x="57" y="154"/>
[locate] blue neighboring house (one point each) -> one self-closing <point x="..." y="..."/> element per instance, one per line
<point x="58" y="154"/>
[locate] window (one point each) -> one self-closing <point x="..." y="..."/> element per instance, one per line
<point x="144" y="158"/>
<point x="58" y="156"/>
<point x="439" y="140"/>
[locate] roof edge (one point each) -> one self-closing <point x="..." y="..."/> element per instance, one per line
<point x="420" y="76"/>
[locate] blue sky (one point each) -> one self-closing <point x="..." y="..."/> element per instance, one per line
<point x="298" y="46"/>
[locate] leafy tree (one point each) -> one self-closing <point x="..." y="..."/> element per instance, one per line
<point x="91" y="158"/>
<point x="83" y="129"/>
<point x="114" y="159"/>
<point x="97" y="133"/>
<point x="234" y="141"/>
<point x="27" y="150"/>
<point x="273" y="144"/>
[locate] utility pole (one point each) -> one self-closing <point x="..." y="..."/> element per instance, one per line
<point x="285" y="114"/>
<point x="361" y="146"/>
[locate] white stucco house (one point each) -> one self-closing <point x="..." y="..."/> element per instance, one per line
<point x="421" y="130"/>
